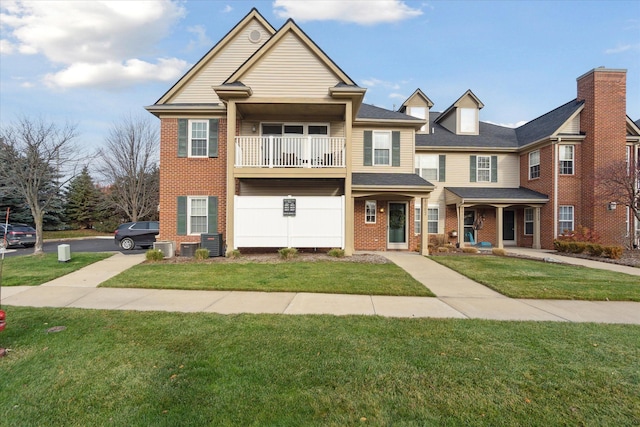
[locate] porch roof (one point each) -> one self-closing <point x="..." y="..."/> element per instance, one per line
<point x="409" y="184"/>
<point x="489" y="195"/>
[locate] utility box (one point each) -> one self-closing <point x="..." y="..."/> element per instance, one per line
<point x="64" y="253"/>
<point x="212" y="242"/>
<point x="188" y="249"/>
<point x="165" y="247"/>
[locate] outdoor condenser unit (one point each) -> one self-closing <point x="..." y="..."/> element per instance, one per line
<point x="212" y="242"/>
<point x="165" y="247"/>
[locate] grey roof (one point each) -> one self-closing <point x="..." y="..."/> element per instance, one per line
<point x="490" y="136"/>
<point x="546" y="124"/>
<point x="497" y="193"/>
<point x="368" y="111"/>
<point x="389" y="179"/>
<point x="637" y="122"/>
<point x="496" y="136"/>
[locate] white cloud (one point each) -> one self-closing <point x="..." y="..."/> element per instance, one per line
<point x="6" y="47"/>
<point x="227" y="9"/>
<point x="623" y="48"/>
<point x="509" y="125"/>
<point x="398" y="96"/>
<point x="201" y="36"/>
<point x="364" y="12"/>
<point x="92" y="36"/>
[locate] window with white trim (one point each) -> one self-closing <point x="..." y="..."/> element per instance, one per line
<point x="197" y="215"/>
<point x="419" y="112"/>
<point x="198" y="138"/>
<point x="417" y="219"/>
<point x="432" y="220"/>
<point x="468" y="120"/>
<point x="483" y="169"/>
<point x="427" y="166"/>
<point x="528" y="221"/>
<point x="565" y="219"/>
<point x="381" y="148"/>
<point x="534" y="164"/>
<point x="566" y="159"/>
<point x="370" y="212"/>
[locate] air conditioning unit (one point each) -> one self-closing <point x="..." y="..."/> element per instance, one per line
<point x="165" y="247"/>
<point x="212" y="242"/>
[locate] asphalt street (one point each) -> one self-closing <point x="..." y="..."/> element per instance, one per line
<point x="105" y="244"/>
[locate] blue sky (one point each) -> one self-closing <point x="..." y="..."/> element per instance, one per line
<point x="91" y="62"/>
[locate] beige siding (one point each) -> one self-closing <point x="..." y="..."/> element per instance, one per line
<point x="291" y="187"/>
<point x="572" y="127"/>
<point x="290" y="69"/>
<point x="407" y="150"/>
<point x="449" y="122"/>
<point x="234" y="54"/>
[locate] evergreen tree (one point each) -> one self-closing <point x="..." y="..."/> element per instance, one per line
<point x="82" y="200"/>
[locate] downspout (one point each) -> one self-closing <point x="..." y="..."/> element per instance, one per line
<point x="556" y="152"/>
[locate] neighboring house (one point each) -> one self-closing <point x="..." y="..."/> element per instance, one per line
<point x="267" y="142"/>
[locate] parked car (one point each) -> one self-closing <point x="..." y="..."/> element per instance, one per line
<point x="18" y="234"/>
<point x="139" y="233"/>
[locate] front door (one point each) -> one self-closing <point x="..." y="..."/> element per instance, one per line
<point x="397" y="226"/>
<point x="508" y="227"/>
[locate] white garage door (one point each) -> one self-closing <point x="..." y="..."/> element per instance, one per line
<point x="260" y="222"/>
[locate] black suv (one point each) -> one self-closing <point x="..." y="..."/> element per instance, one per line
<point x="140" y="233"/>
<point x="17" y="234"/>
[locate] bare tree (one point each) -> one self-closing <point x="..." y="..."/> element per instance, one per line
<point x="35" y="156"/>
<point x="619" y="182"/>
<point x="130" y="157"/>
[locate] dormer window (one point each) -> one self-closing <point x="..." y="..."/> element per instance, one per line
<point x="419" y="112"/>
<point x="468" y="120"/>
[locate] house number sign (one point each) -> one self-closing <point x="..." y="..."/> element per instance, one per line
<point x="289" y="207"/>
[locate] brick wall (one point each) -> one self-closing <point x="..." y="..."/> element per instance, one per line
<point x="189" y="177"/>
<point x="373" y="237"/>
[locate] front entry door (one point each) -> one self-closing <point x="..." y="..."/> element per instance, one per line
<point x="508" y="227"/>
<point x="397" y="226"/>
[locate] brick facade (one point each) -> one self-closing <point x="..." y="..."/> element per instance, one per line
<point x="373" y="237"/>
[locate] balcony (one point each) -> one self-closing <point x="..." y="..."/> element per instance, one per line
<point x="289" y="152"/>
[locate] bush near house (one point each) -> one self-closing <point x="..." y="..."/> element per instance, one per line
<point x="593" y="249"/>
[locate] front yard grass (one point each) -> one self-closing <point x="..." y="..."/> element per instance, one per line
<point x="321" y="276"/>
<point x="35" y="270"/>
<point x="524" y="278"/>
<point x="169" y="369"/>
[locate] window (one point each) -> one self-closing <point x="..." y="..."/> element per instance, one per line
<point x="419" y="112"/>
<point x="534" y="164"/>
<point x="370" y="212"/>
<point x="381" y="148"/>
<point x="483" y="169"/>
<point x="468" y="120"/>
<point x="528" y="221"/>
<point x="432" y="220"/>
<point x="197" y="215"/>
<point x="566" y="159"/>
<point x="198" y="138"/>
<point x="417" y="220"/>
<point x="565" y="219"/>
<point x="427" y="166"/>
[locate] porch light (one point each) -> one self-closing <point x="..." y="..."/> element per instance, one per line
<point x="381" y="210"/>
<point x="612" y="206"/>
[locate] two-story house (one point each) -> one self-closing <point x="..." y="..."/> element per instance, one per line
<point x="267" y="142"/>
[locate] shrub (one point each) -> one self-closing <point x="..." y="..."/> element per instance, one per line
<point x="499" y="251"/>
<point x="336" y="252"/>
<point x="288" y="253"/>
<point x="202" y="254"/>
<point x="442" y="249"/>
<point x="154" y="255"/>
<point x="470" y="250"/>
<point x="438" y="240"/>
<point x="235" y="253"/>
<point x="613" y="252"/>
<point x="594" y="249"/>
<point x="577" y="247"/>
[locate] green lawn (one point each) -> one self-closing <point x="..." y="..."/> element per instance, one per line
<point x="327" y="277"/>
<point x="170" y="369"/>
<point x="523" y="278"/>
<point x="37" y="269"/>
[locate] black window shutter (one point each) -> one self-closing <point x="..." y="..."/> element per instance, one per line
<point x="395" y="148"/>
<point x="212" y="220"/>
<point x="182" y="215"/>
<point x="368" y="148"/>
<point x="213" y="137"/>
<point x="494" y="168"/>
<point x="442" y="160"/>
<point x="472" y="168"/>
<point x="182" y="137"/>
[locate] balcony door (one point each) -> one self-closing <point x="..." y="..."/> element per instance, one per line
<point x="292" y="143"/>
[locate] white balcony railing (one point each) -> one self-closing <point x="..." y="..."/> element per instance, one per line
<point x="289" y="152"/>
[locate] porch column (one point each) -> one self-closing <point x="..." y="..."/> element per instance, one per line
<point x="349" y="229"/>
<point x="460" y="212"/>
<point x="231" y="181"/>
<point x="424" y="233"/>
<point x="499" y="213"/>
<point x="536" y="228"/>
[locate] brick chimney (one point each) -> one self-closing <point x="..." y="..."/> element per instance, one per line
<point x="603" y="122"/>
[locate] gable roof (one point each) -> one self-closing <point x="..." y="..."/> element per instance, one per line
<point x="547" y="124"/>
<point x="468" y="93"/>
<point x="419" y="93"/>
<point x="371" y="112"/>
<point x="195" y="69"/>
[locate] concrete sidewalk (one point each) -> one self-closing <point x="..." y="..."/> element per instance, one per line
<point x="457" y="297"/>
